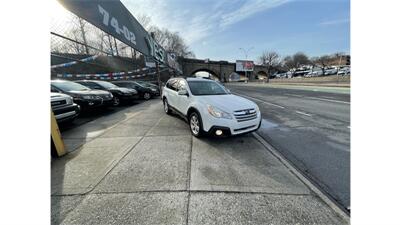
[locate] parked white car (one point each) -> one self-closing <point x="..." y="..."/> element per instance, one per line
<point x="209" y="107"/>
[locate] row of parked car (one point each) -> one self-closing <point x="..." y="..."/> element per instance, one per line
<point x="69" y="98"/>
<point x="315" y="72"/>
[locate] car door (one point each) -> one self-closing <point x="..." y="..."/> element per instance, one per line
<point x="173" y="92"/>
<point x="182" y="100"/>
<point x="168" y="88"/>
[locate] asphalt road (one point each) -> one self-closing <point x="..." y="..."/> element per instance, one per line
<point x="311" y="129"/>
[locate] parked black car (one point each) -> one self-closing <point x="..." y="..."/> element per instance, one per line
<point x="120" y="94"/>
<point x="85" y="97"/>
<point x="144" y="92"/>
<point x="149" y="85"/>
<point x="63" y="107"/>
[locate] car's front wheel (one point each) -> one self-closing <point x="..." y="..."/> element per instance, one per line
<point x="167" y="110"/>
<point x="146" y="95"/>
<point x="195" y="124"/>
<point x="116" y="101"/>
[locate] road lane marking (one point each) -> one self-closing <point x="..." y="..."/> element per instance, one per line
<point x="329" y="100"/>
<point x="303" y="113"/>
<point x="299" y="96"/>
<point x="268" y="103"/>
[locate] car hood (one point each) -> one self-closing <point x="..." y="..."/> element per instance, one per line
<point x="228" y="103"/>
<point x="89" y="92"/>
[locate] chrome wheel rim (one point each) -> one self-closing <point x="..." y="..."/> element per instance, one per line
<point x="194" y="124"/>
<point x="146" y="96"/>
<point x="165" y="106"/>
<point x="116" y="101"/>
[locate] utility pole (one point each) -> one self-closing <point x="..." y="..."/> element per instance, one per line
<point x="158" y="77"/>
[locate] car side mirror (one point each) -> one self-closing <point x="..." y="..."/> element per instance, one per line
<point x="183" y="92"/>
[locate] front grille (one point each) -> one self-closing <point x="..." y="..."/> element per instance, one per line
<point x="245" y="115"/>
<point x="106" y="97"/>
<point x="57" y="103"/>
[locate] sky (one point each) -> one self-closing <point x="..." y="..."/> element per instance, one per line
<point x="217" y="29"/>
<point x="227" y="29"/>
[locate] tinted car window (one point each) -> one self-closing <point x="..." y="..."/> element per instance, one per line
<point x="181" y="85"/>
<point x="206" y="88"/>
<point x="105" y="84"/>
<point x="92" y="85"/>
<point x="175" y="85"/>
<point x="168" y="85"/>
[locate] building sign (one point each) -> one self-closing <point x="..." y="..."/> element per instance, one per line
<point x="114" y="18"/>
<point x="244" y="65"/>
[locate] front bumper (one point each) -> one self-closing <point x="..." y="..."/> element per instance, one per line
<point x="128" y="97"/>
<point x="89" y="104"/>
<point x="230" y="126"/>
<point x="66" y="113"/>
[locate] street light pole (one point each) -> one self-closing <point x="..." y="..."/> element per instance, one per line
<point x="245" y="54"/>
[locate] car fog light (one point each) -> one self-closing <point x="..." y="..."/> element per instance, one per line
<point x="218" y="132"/>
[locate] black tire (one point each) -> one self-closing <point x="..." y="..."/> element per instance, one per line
<point x="146" y="96"/>
<point x="116" y="101"/>
<point x="192" y="128"/>
<point x="167" y="110"/>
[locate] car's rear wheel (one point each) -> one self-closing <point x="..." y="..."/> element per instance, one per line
<point x="167" y="110"/>
<point x="146" y="95"/>
<point x="195" y="124"/>
<point x="116" y="101"/>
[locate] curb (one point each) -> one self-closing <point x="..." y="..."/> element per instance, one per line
<point x="299" y="175"/>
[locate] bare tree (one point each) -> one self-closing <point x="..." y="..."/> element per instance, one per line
<point x="300" y="59"/>
<point x="144" y="20"/>
<point x="271" y="60"/>
<point x="322" y="62"/>
<point x="79" y="32"/>
<point x="171" y="42"/>
<point x="288" y="63"/>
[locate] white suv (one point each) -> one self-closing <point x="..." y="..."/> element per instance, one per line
<point x="209" y="107"/>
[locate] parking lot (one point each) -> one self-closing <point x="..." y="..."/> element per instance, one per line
<point x="137" y="165"/>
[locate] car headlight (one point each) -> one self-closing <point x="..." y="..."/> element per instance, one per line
<point x="258" y="110"/>
<point x="69" y="100"/>
<point x="215" y="112"/>
<point x="153" y="89"/>
<point x="88" y="97"/>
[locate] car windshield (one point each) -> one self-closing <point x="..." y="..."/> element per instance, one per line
<point x="206" y="88"/>
<point x="146" y="84"/>
<point x="69" y="86"/>
<point x="106" y="84"/>
<point x="139" y="84"/>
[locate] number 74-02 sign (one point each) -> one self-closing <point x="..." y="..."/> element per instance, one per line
<point x="112" y="17"/>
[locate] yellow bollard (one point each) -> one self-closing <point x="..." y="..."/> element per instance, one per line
<point x="57" y="141"/>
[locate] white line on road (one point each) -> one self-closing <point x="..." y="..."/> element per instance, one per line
<point x="303" y="113"/>
<point x="299" y="96"/>
<point x="268" y="103"/>
<point x="329" y="100"/>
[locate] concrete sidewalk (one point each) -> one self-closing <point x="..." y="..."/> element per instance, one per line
<point x="141" y="166"/>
